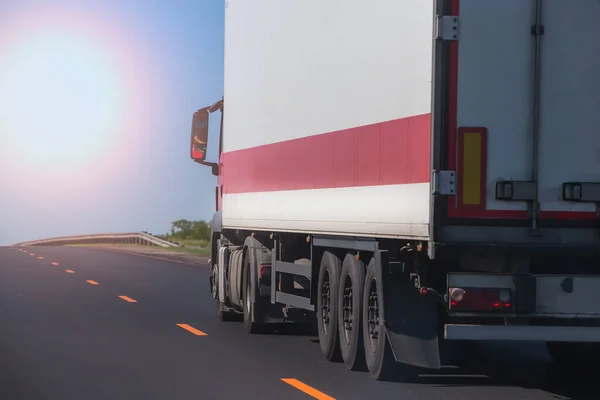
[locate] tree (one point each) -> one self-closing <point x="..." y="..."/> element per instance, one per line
<point x="190" y="230"/>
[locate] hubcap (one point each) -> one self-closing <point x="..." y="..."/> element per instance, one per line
<point x="325" y="303"/>
<point x="373" y="315"/>
<point x="215" y="282"/>
<point x="347" y="308"/>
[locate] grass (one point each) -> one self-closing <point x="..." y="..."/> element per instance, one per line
<point x="192" y="243"/>
<point x="192" y="246"/>
<point x="189" y="250"/>
<point x="199" y="247"/>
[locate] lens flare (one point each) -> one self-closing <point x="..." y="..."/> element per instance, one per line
<point x="60" y="99"/>
<point x="78" y="90"/>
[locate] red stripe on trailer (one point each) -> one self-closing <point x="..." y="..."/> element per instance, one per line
<point x="453" y="209"/>
<point x="387" y="153"/>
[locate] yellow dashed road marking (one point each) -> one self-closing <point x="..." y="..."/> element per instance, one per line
<point x="128" y="299"/>
<point x="303" y="387"/>
<point x="192" y="330"/>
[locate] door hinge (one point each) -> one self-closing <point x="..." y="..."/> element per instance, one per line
<point x="444" y="183"/>
<point x="446" y="27"/>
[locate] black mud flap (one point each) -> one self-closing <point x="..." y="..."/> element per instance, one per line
<point x="411" y="319"/>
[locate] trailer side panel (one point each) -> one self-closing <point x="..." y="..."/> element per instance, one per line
<point x="327" y="122"/>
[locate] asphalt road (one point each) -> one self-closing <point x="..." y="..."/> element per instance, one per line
<point x="67" y="334"/>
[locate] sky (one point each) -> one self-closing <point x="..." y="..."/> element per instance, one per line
<point x="96" y="103"/>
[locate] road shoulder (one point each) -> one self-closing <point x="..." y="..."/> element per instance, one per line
<point x="156" y="253"/>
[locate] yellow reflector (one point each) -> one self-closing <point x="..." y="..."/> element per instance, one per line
<point x="471" y="173"/>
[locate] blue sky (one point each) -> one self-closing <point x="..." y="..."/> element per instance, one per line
<point x="100" y="99"/>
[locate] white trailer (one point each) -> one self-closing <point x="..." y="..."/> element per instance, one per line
<point x="408" y="173"/>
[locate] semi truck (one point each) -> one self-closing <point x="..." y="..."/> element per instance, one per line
<point x="408" y="175"/>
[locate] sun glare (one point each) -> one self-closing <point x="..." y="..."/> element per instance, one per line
<point x="61" y="101"/>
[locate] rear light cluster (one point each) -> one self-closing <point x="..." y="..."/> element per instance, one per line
<point x="265" y="273"/>
<point x="480" y="299"/>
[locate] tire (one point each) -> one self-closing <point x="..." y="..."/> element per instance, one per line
<point x="223" y="314"/>
<point x="236" y="274"/>
<point x="327" y="308"/>
<point x="350" y="303"/>
<point x="379" y="357"/>
<point x="248" y="305"/>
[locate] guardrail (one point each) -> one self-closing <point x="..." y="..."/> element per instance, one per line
<point x="142" y="238"/>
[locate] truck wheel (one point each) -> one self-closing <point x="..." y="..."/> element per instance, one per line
<point x="249" y="307"/>
<point x="327" y="308"/>
<point x="222" y="312"/>
<point x="379" y="357"/>
<point x="214" y="282"/>
<point x="350" y="301"/>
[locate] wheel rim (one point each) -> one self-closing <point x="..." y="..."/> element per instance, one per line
<point x="347" y="315"/>
<point x="214" y="282"/>
<point x="325" y="303"/>
<point x="373" y="315"/>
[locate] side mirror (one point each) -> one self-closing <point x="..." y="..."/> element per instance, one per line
<point x="199" y="142"/>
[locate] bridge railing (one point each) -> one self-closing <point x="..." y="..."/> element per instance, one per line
<point x="142" y="238"/>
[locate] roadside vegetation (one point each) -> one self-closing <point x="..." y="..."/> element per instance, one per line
<point x="192" y="236"/>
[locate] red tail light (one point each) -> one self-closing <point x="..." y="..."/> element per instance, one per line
<point x="480" y="300"/>
<point x="265" y="272"/>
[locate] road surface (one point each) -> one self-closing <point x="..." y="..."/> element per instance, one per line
<point x="67" y="333"/>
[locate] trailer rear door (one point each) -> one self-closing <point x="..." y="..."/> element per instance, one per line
<point x="504" y="168"/>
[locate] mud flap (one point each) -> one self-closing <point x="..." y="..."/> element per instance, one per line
<point x="411" y="319"/>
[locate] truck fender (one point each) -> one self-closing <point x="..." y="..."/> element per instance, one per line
<point x="216" y="227"/>
<point x="411" y="319"/>
<point x="216" y="223"/>
<point x="258" y="254"/>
